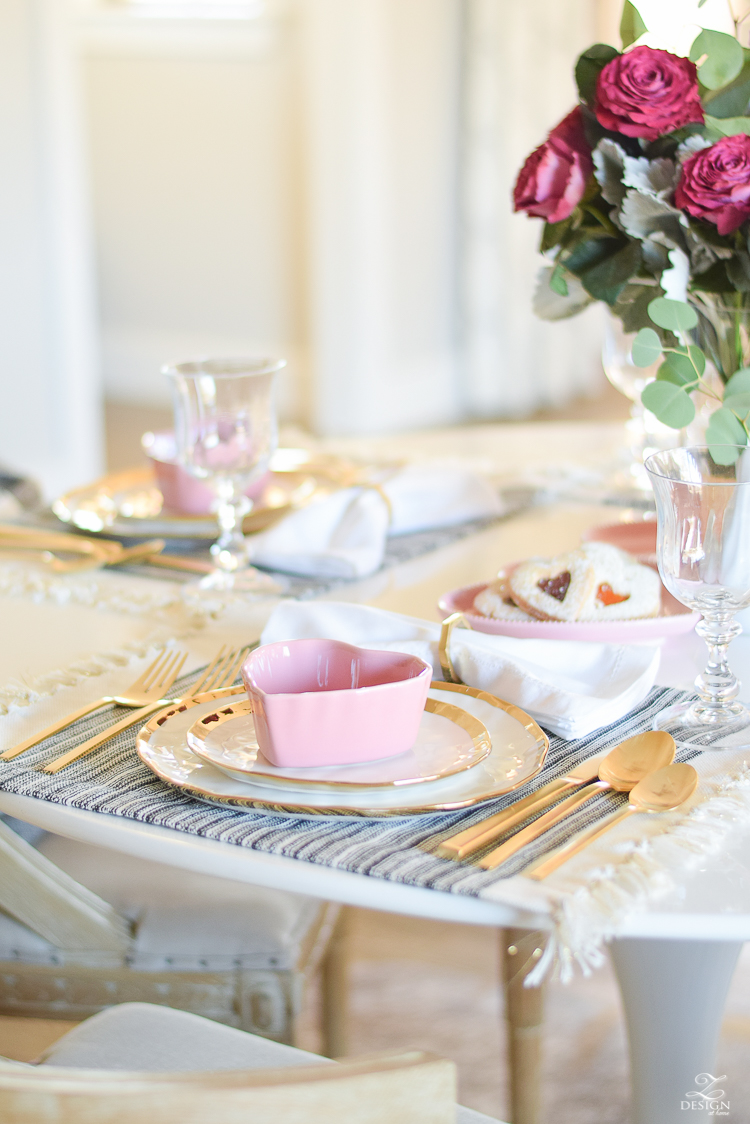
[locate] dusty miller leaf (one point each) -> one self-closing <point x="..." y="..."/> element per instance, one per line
<point x="656" y="178"/>
<point x="645" y="217"/>
<point x="691" y="145"/>
<point x="609" y="160"/>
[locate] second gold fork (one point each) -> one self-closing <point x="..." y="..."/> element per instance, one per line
<point x="221" y="672"/>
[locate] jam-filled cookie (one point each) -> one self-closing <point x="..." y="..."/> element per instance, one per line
<point x="555" y="589"/>
<point x="624" y="589"/>
<point x="496" y="601"/>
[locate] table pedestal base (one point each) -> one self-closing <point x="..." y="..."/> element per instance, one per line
<point x="673" y="993"/>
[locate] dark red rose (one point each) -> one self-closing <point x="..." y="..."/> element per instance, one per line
<point x="715" y="184"/>
<point x="554" y="177"/>
<point x="646" y="93"/>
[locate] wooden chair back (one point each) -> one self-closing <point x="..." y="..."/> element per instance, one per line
<point x="393" y="1088"/>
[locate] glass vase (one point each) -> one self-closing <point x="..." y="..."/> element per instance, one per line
<point x="723" y="330"/>
<point x="645" y="433"/>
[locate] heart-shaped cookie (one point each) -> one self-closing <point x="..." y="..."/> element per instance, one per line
<point x="555" y="589"/>
<point x="497" y="601"/>
<point x="624" y="589"/>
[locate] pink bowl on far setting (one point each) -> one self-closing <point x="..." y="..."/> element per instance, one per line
<point x="182" y="493"/>
<point x="322" y="702"/>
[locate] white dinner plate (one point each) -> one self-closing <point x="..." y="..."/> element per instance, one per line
<point x="449" y="740"/>
<point x="519" y="748"/>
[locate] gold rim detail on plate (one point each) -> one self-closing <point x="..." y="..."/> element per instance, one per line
<point x="130" y="503"/>
<point x="332" y="811"/>
<point x="476" y="730"/>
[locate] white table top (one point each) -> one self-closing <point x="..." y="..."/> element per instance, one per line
<point x="713" y="904"/>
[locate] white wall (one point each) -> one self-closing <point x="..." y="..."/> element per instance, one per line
<point x="50" y="422"/>
<point x="306" y="186"/>
<point x="195" y="164"/>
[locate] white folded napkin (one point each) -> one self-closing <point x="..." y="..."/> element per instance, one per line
<point x="569" y="687"/>
<point x="344" y="534"/>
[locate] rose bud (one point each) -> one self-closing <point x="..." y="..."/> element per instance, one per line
<point x="553" y="179"/>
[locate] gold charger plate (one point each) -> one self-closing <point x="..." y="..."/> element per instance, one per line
<point x="449" y="741"/>
<point x="519" y="749"/>
<point x="129" y="504"/>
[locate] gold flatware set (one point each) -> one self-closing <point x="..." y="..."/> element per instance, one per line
<point x="641" y="765"/>
<point x="149" y="693"/>
<point x="64" y="554"/>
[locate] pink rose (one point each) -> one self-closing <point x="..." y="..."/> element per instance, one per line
<point x="715" y="184"/>
<point x="554" y="177"/>
<point x="646" y="93"/>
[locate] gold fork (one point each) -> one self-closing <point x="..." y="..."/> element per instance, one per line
<point x="148" y="687"/>
<point x="221" y="672"/>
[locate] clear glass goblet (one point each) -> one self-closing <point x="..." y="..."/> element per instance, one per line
<point x="225" y="433"/>
<point x="703" y="554"/>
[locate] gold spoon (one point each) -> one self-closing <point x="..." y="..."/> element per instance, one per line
<point x="662" y="791"/>
<point x="476" y="837"/>
<point x="621" y="770"/>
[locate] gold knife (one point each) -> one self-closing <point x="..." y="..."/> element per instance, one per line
<point x="477" y="836"/>
<point x="538" y="827"/>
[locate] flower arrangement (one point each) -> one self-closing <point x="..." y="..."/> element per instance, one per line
<point x="644" y="189"/>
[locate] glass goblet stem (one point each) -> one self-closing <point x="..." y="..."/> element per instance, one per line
<point x="230" y="551"/>
<point x="717" y="684"/>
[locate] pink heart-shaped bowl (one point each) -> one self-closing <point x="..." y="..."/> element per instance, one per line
<point x="321" y="702"/>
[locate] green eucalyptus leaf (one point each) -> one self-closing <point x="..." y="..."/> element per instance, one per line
<point x="739" y="404"/>
<point x="631" y="24"/>
<point x="728" y="126"/>
<point x="557" y="282"/>
<point x="668" y="374"/>
<point x="732" y="100"/>
<point x="671" y="405"/>
<point x="738" y="384"/>
<point x="676" y="316"/>
<point x="724" y="61"/>
<point x="683" y="366"/>
<point x="646" y="348"/>
<point x="724" y="429"/>
<point x="723" y="454"/>
<point x="589" y="66"/>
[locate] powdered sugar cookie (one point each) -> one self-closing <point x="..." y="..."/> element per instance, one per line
<point x="496" y="601"/>
<point x="556" y="589"/>
<point x="624" y="589"/>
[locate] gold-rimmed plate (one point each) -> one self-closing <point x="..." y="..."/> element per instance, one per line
<point x="130" y="505"/>
<point x="519" y="749"/>
<point x="449" y="740"/>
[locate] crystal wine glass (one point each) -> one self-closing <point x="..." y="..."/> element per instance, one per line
<point x="225" y="432"/>
<point x="703" y="554"/>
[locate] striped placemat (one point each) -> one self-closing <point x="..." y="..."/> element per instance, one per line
<point x="114" y="782"/>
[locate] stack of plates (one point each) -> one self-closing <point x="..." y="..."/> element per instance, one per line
<point x="471" y="747"/>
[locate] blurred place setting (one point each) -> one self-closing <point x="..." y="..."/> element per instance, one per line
<point x="374" y="524"/>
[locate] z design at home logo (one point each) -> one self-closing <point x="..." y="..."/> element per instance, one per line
<point x="707" y="1097"/>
